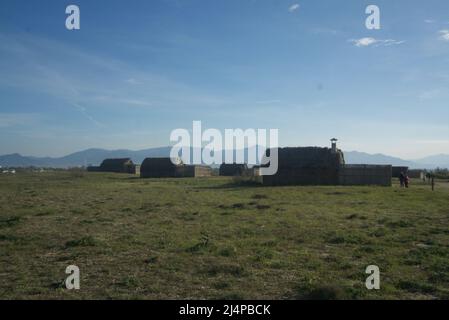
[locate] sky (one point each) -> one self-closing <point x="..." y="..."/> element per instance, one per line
<point x="136" y="70"/>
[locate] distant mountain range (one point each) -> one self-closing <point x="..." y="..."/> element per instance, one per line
<point x="355" y="157"/>
<point x="82" y="158"/>
<point x="96" y="156"/>
<point x="431" y="162"/>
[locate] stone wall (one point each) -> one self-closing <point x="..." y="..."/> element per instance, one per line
<point x="362" y="174"/>
<point x="193" y="171"/>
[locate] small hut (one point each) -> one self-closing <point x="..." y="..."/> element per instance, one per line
<point x="159" y="168"/>
<point x="121" y="165"/>
<point x="234" y="169"/>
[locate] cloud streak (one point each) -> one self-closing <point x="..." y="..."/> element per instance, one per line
<point x="429" y="94"/>
<point x="368" y="41"/>
<point x="8" y="120"/>
<point x="133" y="81"/>
<point x="294" y="7"/>
<point x="444" y="34"/>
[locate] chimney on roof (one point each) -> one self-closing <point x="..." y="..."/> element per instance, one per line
<point x="334" y="145"/>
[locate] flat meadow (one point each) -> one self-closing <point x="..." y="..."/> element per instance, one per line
<point x="218" y="238"/>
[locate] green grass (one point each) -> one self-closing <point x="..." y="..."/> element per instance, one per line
<point x="211" y="239"/>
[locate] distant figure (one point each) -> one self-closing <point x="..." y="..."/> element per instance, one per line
<point x="406" y="181"/>
<point x="402" y="179"/>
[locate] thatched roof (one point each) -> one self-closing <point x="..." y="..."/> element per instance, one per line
<point x="309" y="157"/>
<point x="117" y="165"/>
<point x="157" y="162"/>
<point x="158" y="167"/>
<point x="115" y="162"/>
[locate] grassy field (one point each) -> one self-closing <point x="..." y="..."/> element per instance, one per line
<point x="215" y="239"/>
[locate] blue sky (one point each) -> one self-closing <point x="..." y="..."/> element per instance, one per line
<point x="136" y="70"/>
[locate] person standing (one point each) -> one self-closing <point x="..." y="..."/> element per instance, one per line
<point x="402" y="179"/>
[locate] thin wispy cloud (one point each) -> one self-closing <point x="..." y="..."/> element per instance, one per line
<point x="294" y="7"/>
<point x="436" y="141"/>
<point x="444" y="34"/>
<point x="129" y="102"/>
<point x="268" y="101"/>
<point x="368" y="41"/>
<point x="363" y="42"/>
<point x="429" y="94"/>
<point x="329" y="31"/>
<point x="391" y="42"/>
<point x="8" y="120"/>
<point x="133" y="81"/>
<point x="31" y="72"/>
<point x="84" y="112"/>
<point x="136" y="102"/>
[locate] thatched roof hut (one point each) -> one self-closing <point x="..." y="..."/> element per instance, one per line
<point x="121" y="165"/>
<point x="307" y="166"/>
<point x="234" y="169"/>
<point x="158" y="168"/>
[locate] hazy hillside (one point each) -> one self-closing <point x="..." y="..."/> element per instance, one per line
<point x="440" y="160"/>
<point x="355" y="157"/>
